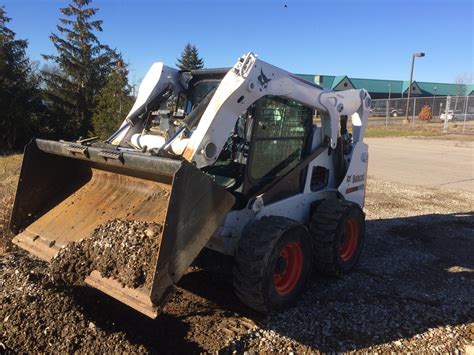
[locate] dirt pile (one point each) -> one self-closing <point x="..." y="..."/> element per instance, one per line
<point x="124" y="250"/>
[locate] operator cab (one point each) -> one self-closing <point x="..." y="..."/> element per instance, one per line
<point x="272" y="137"/>
<point x="269" y="139"/>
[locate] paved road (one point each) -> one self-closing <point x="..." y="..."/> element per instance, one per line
<point x="441" y="163"/>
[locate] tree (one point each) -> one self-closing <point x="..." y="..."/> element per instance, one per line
<point x="18" y="88"/>
<point x="189" y="59"/>
<point x="461" y="87"/>
<point x="83" y="65"/>
<point x="113" y="103"/>
<point x="461" y="82"/>
<point x="425" y="113"/>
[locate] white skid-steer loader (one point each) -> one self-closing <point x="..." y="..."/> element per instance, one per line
<point x="258" y="164"/>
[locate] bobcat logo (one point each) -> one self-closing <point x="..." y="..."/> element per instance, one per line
<point x="355" y="178"/>
<point x="263" y="80"/>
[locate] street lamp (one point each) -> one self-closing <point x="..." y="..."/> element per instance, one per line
<point x="388" y="104"/>
<point x="432" y="105"/>
<point x="416" y="54"/>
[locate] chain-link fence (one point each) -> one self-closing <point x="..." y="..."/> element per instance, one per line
<point x="453" y="114"/>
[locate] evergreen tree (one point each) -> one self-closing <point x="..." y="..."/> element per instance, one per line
<point x="113" y="103"/>
<point x="83" y="63"/>
<point x="189" y="59"/>
<point x="18" y="89"/>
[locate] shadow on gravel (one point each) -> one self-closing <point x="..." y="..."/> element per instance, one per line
<point x="217" y="288"/>
<point x="164" y="334"/>
<point x="415" y="273"/>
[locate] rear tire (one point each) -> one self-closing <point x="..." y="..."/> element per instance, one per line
<point x="338" y="233"/>
<point x="272" y="263"/>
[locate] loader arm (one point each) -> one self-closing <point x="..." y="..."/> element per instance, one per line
<point x="250" y="79"/>
<point x="158" y="79"/>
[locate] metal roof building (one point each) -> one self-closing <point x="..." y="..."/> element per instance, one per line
<point x="380" y="88"/>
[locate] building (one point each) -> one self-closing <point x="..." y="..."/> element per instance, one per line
<point x="382" y="89"/>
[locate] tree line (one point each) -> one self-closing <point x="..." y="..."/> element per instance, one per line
<point x="82" y="90"/>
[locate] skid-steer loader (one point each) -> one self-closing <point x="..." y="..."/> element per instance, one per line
<point x="259" y="165"/>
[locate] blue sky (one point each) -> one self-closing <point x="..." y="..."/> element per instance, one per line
<point x="359" y="38"/>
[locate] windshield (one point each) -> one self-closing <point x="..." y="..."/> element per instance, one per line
<point x="165" y="114"/>
<point x="201" y="89"/>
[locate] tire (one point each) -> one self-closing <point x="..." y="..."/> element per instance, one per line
<point x="272" y="263"/>
<point x="337" y="229"/>
<point x="394" y="114"/>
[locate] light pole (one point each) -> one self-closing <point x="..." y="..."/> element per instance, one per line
<point x="416" y="54"/>
<point x="388" y="104"/>
<point x="432" y="105"/>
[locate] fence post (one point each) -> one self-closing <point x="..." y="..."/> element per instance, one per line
<point x="413" y="115"/>
<point x="465" y="114"/>
<point x="386" y="114"/>
<point x="446" y="111"/>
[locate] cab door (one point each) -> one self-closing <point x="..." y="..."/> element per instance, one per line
<point x="281" y="138"/>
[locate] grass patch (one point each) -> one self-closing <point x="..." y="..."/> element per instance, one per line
<point x="394" y="132"/>
<point x="9" y="166"/>
<point x="9" y="172"/>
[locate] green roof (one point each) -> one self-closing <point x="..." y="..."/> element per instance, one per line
<point x="378" y="85"/>
<point x="405" y="85"/>
<point x="327" y="81"/>
<point x="442" y="89"/>
<point x="385" y="86"/>
<point x="470" y="89"/>
<point x="308" y="77"/>
<point x="337" y="80"/>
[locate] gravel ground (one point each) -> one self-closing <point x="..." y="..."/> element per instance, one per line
<point x="124" y="250"/>
<point x="411" y="292"/>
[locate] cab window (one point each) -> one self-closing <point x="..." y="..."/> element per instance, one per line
<point x="280" y="134"/>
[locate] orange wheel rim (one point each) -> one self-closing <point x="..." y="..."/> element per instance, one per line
<point x="350" y="239"/>
<point x="288" y="268"/>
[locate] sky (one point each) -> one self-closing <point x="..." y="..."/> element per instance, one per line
<point x="358" y="38"/>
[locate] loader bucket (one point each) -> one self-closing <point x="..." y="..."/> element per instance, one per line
<point x="66" y="190"/>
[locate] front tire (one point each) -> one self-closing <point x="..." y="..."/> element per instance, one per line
<point x="272" y="263"/>
<point x="338" y="233"/>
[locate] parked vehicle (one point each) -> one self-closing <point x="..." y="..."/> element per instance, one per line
<point x="456" y="115"/>
<point x="450" y="116"/>
<point x="381" y="110"/>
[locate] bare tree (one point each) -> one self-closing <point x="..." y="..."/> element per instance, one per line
<point x="461" y="82"/>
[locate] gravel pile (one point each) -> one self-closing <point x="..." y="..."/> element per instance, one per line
<point x="411" y="292"/>
<point x="121" y="249"/>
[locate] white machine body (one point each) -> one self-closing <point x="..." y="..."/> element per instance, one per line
<point x="247" y="81"/>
